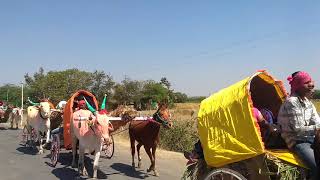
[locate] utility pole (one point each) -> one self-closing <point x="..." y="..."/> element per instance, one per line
<point x="7" y="95"/>
<point x="21" y="104"/>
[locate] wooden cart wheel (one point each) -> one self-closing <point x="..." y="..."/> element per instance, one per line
<point x="33" y="135"/>
<point x="224" y="173"/>
<point x="55" y="149"/>
<point x="109" y="148"/>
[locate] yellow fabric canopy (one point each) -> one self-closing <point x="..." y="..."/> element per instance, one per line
<point x="286" y="155"/>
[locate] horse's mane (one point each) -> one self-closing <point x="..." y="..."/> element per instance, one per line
<point x="162" y="105"/>
<point x="122" y="111"/>
<point x="126" y="113"/>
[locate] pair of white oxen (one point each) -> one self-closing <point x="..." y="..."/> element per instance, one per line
<point x="91" y="128"/>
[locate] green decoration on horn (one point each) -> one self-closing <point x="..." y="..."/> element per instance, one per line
<point x="32" y="103"/>
<point x="89" y="106"/>
<point x="103" y="105"/>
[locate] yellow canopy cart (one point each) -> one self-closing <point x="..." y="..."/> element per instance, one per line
<point x="228" y="131"/>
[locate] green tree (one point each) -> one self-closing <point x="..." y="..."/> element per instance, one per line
<point x="128" y="91"/>
<point x="11" y="94"/>
<point x="196" y="99"/>
<point x="60" y="85"/>
<point x="102" y="84"/>
<point x="36" y="83"/>
<point x="164" y="81"/>
<point x="153" y="91"/>
<point x="179" y="97"/>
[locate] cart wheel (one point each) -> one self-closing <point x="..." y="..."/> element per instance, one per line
<point x="24" y="135"/>
<point x="55" y="149"/>
<point x="224" y="173"/>
<point x="109" y="148"/>
<point x="33" y="135"/>
<point x="33" y="138"/>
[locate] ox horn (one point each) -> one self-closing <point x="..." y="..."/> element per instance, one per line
<point x="89" y="106"/>
<point x="103" y="105"/>
<point x="34" y="104"/>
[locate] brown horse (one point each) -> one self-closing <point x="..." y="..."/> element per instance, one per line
<point x="146" y="133"/>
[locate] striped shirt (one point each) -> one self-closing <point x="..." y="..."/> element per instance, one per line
<point x="298" y="119"/>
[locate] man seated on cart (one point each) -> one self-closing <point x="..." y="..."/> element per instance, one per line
<point x="299" y="120"/>
<point x="80" y="105"/>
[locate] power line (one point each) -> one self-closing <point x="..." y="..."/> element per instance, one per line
<point x="222" y="51"/>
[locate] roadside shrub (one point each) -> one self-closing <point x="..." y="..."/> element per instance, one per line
<point x="317" y="104"/>
<point x="180" y="138"/>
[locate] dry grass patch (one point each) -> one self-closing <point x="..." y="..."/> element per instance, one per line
<point x="317" y="104"/>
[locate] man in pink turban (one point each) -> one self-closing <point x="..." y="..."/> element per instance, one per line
<point x="301" y="81"/>
<point x="299" y="120"/>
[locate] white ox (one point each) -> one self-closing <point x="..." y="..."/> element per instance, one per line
<point x="38" y="117"/>
<point x="91" y="135"/>
<point x="15" y="117"/>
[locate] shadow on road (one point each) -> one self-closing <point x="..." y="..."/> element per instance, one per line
<point x="27" y="150"/>
<point x="67" y="172"/>
<point x="3" y="128"/>
<point x="64" y="159"/>
<point x="128" y="170"/>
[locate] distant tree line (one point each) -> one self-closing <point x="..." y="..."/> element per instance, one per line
<point x="316" y="94"/>
<point x="60" y="85"/>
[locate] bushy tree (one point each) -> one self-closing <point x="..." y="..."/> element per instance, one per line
<point x="127" y="92"/>
<point x="195" y="99"/>
<point x="179" y="97"/>
<point x="164" y="81"/>
<point x="153" y="91"/>
<point x="60" y="85"/>
<point x="11" y="94"/>
<point x="102" y="84"/>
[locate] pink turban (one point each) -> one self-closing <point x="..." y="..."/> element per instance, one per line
<point x="298" y="80"/>
<point x="81" y="103"/>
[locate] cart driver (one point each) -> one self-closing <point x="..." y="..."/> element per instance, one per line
<point x="299" y="120"/>
<point x="80" y="105"/>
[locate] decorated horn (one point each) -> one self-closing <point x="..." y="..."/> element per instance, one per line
<point x="32" y="103"/>
<point x="103" y="105"/>
<point x="89" y="106"/>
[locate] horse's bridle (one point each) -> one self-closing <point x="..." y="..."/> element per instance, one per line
<point x="42" y="116"/>
<point x="159" y="119"/>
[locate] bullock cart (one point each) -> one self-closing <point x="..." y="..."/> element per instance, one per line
<point x="231" y="137"/>
<point x="29" y="134"/>
<point x="108" y="148"/>
<point x="61" y="137"/>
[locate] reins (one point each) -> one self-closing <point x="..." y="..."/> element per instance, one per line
<point x="41" y="115"/>
<point x="127" y="128"/>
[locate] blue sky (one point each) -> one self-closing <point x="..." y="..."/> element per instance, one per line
<point x="200" y="46"/>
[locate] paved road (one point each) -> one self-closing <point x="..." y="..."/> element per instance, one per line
<point x="19" y="162"/>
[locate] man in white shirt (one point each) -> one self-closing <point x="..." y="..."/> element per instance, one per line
<point x="299" y="120"/>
